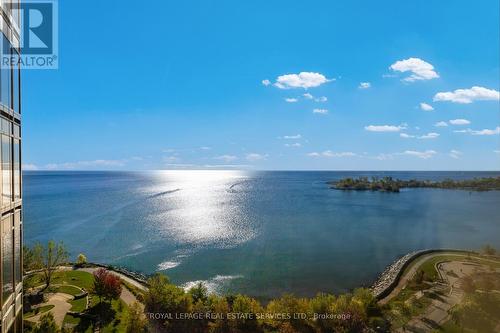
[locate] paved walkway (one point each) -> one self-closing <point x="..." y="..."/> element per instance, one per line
<point x="61" y="307"/>
<point x="405" y="278"/>
<point x="437" y="312"/>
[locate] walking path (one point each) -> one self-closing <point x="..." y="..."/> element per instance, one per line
<point x="61" y="307"/>
<point x="414" y="267"/>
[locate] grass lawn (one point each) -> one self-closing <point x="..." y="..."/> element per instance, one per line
<point x="36" y="311"/>
<point x="77" y="278"/>
<point x="114" y="316"/>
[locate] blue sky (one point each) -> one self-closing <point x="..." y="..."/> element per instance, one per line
<point x="182" y="84"/>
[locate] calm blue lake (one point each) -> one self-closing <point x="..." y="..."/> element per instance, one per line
<point x="260" y="233"/>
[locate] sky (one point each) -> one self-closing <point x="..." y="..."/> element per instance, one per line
<point x="268" y="85"/>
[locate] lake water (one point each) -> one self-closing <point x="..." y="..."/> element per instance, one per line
<point x="260" y="233"/>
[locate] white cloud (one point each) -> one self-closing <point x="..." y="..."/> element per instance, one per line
<point x="420" y="69"/>
<point x="320" y="111"/>
<point x="426" y="107"/>
<point x="329" y="153"/>
<point x="321" y="99"/>
<point x="384" y="128"/>
<point x="308" y="96"/>
<point x="429" y="136"/>
<point x="85" y="165"/>
<point x="293" y="145"/>
<point x="291" y="100"/>
<point x="467" y="96"/>
<point x="302" y="80"/>
<point x="292" y="137"/>
<point x="459" y="122"/>
<point x="455" y="154"/>
<point x="266" y="82"/>
<point x="495" y="131"/>
<point x="253" y="157"/>
<point x="205" y="148"/>
<point x="406" y="136"/>
<point x="384" y="157"/>
<point x="364" y="85"/>
<point x="441" y="124"/>
<point x="30" y="167"/>
<point x="226" y="158"/>
<point x="420" y="154"/>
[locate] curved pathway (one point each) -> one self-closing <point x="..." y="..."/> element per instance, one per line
<point x="61" y="304"/>
<point x="414" y="266"/>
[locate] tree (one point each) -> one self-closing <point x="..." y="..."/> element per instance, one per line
<point x="52" y="257"/>
<point x="47" y="324"/>
<point x="81" y="260"/>
<point x="199" y="292"/>
<point x="106" y="285"/>
<point x="136" y="322"/>
<point x="33" y="257"/>
<point x="489" y="250"/>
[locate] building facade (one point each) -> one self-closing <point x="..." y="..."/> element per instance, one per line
<point x="10" y="163"/>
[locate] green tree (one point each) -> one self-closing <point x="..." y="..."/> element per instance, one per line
<point x="32" y="257"/>
<point x="136" y="322"/>
<point x="199" y="293"/>
<point x="81" y="260"/>
<point x="47" y="324"/>
<point x="53" y="256"/>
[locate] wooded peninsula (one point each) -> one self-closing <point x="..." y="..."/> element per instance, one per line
<point x="389" y="184"/>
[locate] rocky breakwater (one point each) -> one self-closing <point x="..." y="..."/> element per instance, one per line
<point x="389" y="278"/>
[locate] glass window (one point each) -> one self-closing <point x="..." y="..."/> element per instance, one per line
<point x="5" y="126"/>
<point x="5" y="76"/>
<point x="15" y="85"/>
<point x="17" y="247"/>
<point x="6" y="170"/>
<point x="17" y="170"/>
<point x="17" y="131"/>
<point x="7" y="244"/>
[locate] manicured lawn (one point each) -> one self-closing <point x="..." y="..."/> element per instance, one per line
<point x="114" y="316"/>
<point x="78" y="305"/>
<point x="77" y="278"/>
<point x="67" y="290"/>
<point x="36" y="311"/>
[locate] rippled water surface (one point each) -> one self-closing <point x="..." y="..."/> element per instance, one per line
<point x="261" y="233"/>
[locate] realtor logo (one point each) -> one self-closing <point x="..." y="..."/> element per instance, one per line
<point x="38" y="31"/>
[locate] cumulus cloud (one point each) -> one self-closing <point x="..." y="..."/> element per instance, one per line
<point x="329" y="153"/>
<point x="30" y="167"/>
<point x="291" y="100"/>
<point x="303" y="80"/>
<point x="253" y="157"/>
<point x="320" y="111"/>
<point x="420" y="154"/>
<point x="432" y="135"/>
<point x="293" y="137"/>
<point x="495" y="131"/>
<point x="467" y="96"/>
<point x="455" y="154"/>
<point x="441" y="124"/>
<point x="426" y="107"/>
<point x="364" y="85"/>
<point x="293" y="145"/>
<point x="86" y="165"/>
<point x="406" y="136"/>
<point x="459" y="122"/>
<point x="266" y="82"/>
<point x="419" y="69"/>
<point x="321" y="99"/>
<point x="308" y="96"/>
<point x="384" y="128"/>
<point x="226" y="158"/>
